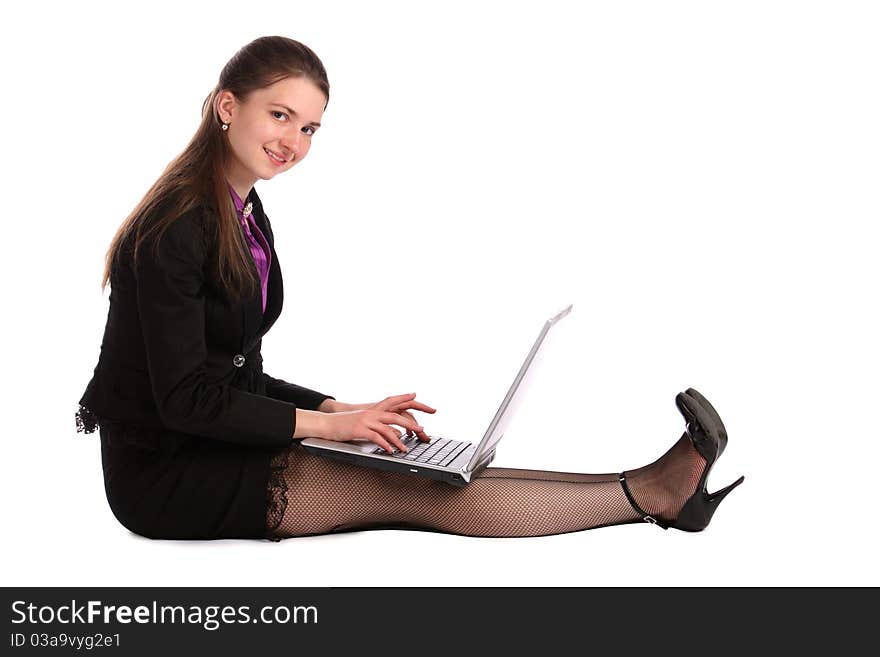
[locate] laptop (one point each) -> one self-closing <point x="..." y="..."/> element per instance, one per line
<point x="444" y="459"/>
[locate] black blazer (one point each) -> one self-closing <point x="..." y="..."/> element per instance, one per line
<point x="177" y="355"/>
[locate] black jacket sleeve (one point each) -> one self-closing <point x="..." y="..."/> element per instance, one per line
<point x="290" y="392"/>
<point x="171" y="303"/>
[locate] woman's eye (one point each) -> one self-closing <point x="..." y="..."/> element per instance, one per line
<point x="312" y="128"/>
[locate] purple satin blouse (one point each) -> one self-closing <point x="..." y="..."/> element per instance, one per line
<point x="259" y="246"/>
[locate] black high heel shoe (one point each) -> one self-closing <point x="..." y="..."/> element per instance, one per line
<point x="708" y="435"/>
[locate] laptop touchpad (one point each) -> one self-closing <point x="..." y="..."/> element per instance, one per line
<point x="364" y="446"/>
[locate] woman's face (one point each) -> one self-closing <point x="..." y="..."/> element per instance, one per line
<point x="281" y="118"/>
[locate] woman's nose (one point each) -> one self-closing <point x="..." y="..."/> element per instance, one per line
<point x="291" y="144"/>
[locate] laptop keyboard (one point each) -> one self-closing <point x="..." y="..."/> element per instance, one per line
<point x="441" y="451"/>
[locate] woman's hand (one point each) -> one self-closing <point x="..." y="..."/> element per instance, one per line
<point x="373" y="423"/>
<point x="403" y="403"/>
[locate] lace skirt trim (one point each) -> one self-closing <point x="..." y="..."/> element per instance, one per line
<point x="86" y="420"/>
<point x="276" y="493"/>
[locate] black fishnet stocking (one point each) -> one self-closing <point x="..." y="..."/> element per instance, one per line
<point x="313" y="495"/>
<point x="662" y="488"/>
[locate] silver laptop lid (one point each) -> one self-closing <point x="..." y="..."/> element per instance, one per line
<point x="513" y="398"/>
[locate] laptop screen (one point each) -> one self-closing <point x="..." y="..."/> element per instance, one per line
<point x="514" y="396"/>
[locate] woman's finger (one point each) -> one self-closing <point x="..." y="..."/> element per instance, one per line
<point x="400" y="420"/>
<point x="420" y="433"/>
<point x="396" y="399"/>
<point x="392" y="436"/>
<point x="408" y="416"/>
<point x="390" y="403"/>
<point x="416" y="406"/>
<point x="408" y="421"/>
<point x="377" y="438"/>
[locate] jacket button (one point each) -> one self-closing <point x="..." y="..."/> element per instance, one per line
<point x="238" y="361"/>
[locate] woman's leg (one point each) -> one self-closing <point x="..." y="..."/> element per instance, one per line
<point x="325" y="496"/>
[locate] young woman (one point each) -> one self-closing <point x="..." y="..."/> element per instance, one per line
<point x="198" y="442"/>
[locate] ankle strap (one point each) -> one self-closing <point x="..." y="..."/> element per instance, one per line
<point x="646" y="517"/>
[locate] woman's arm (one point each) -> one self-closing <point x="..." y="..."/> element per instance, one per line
<point x="291" y="392"/>
<point x="329" y="405"/>
<point x="309" y="424"/>
<point x="171" y="305"/>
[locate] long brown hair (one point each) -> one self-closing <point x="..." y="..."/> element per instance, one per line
<point x="198" y="173"/>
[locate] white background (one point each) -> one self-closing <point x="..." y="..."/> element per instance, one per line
<point x="699" y="179"/>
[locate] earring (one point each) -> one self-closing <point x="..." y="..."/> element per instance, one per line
<point x="225" y="126"/>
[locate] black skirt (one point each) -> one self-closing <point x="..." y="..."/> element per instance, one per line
<point x="165" y="484"/>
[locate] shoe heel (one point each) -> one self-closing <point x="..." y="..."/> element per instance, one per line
<point x="699" y="509"/>
<point x="715" y="498"/>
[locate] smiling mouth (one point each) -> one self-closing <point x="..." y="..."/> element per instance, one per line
<point x="275" y="156"/>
